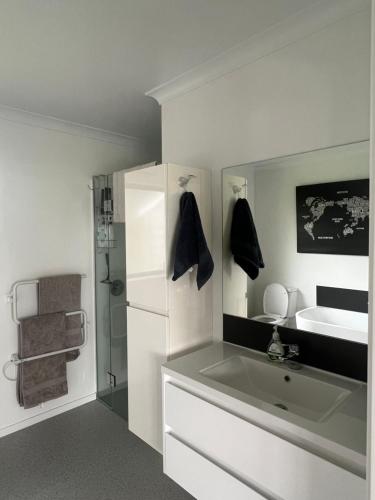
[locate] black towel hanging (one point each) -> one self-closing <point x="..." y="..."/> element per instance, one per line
<point x="191" y="247"/>
<point x="244" y="242"/>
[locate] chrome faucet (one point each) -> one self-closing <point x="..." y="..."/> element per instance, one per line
<point x="277" y="351"/>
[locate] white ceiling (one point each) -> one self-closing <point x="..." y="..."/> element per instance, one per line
<point x="91" y="61"/>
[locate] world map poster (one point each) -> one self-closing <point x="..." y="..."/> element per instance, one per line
<point x="333" y="218"/>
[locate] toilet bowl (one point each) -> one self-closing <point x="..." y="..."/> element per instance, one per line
<point x="279" y="304"/>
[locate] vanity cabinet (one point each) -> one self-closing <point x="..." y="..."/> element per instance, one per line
<point x="201" y="477"/>
<point x="215" y="453"/>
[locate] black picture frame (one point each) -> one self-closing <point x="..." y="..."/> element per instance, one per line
<point x="333" y="218"/>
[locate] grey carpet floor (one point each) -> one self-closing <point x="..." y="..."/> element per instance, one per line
<point x="84" y="454"/>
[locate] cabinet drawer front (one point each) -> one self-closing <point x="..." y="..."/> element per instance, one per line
<point x="274" y="466"/>
<point x="200" y="477"/>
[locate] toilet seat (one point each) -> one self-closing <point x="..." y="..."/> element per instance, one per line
<point x="275" y="305"/>
<point x="275" y="301"/>
<point x="271" y="319"/>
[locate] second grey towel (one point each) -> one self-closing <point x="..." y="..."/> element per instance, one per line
<point x="42" y="379"/>
<point x="63" y="293"/>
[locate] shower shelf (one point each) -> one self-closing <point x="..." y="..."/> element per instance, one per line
<point x="106" y="243"/>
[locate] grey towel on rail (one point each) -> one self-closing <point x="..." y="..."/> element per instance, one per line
<point x="63" y="293"/>
<point x="42" y="379"/>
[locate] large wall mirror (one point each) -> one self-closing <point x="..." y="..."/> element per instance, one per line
<point x="295" y="241"/>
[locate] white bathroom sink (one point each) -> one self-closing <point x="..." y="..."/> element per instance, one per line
<point x="304" y="393"/>
<point x="337" y="323"/>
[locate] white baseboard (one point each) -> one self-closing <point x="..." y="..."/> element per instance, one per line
<point x="9" y="429"/>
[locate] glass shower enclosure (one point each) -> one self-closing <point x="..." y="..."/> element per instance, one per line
<point x="110" y="294"/>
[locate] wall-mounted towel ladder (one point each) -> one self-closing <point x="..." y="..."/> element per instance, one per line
<point x="15" y="360"/>
<point x="13" y="298"/>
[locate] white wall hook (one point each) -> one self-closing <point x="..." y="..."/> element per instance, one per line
<point x="183" y="181"/>
<point x="237" y="189"/>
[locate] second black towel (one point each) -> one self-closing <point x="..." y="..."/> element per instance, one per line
<point x="244" y="242"/>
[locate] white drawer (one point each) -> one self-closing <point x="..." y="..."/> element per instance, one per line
<point x="200" y="477"/>
<point x="274" y="466"/>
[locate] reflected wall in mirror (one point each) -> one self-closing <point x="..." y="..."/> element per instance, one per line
<point x="312" y="230"/>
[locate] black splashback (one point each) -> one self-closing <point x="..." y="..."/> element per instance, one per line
<point x="342" y="298"/>
<point x="327" y="353"/>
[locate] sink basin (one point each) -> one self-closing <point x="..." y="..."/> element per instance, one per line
<point x="309" y="393"/>
<point x="337" y="323"/>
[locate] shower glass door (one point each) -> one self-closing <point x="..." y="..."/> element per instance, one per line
<point x="111" y="339"/>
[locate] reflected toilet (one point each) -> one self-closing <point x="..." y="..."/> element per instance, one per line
<point x="279" y="304"/>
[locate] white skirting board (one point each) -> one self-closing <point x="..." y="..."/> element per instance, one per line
<point x="9" y="429"/>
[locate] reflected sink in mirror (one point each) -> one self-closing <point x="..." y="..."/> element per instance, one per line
<point x="337" y="323"/>
<point x="308" y="393"/>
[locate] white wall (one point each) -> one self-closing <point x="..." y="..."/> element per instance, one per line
<point x="46" y="229"/>
<point x="311" y="94"/>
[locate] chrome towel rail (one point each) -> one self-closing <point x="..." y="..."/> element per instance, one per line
<point x="15" y="360"/>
